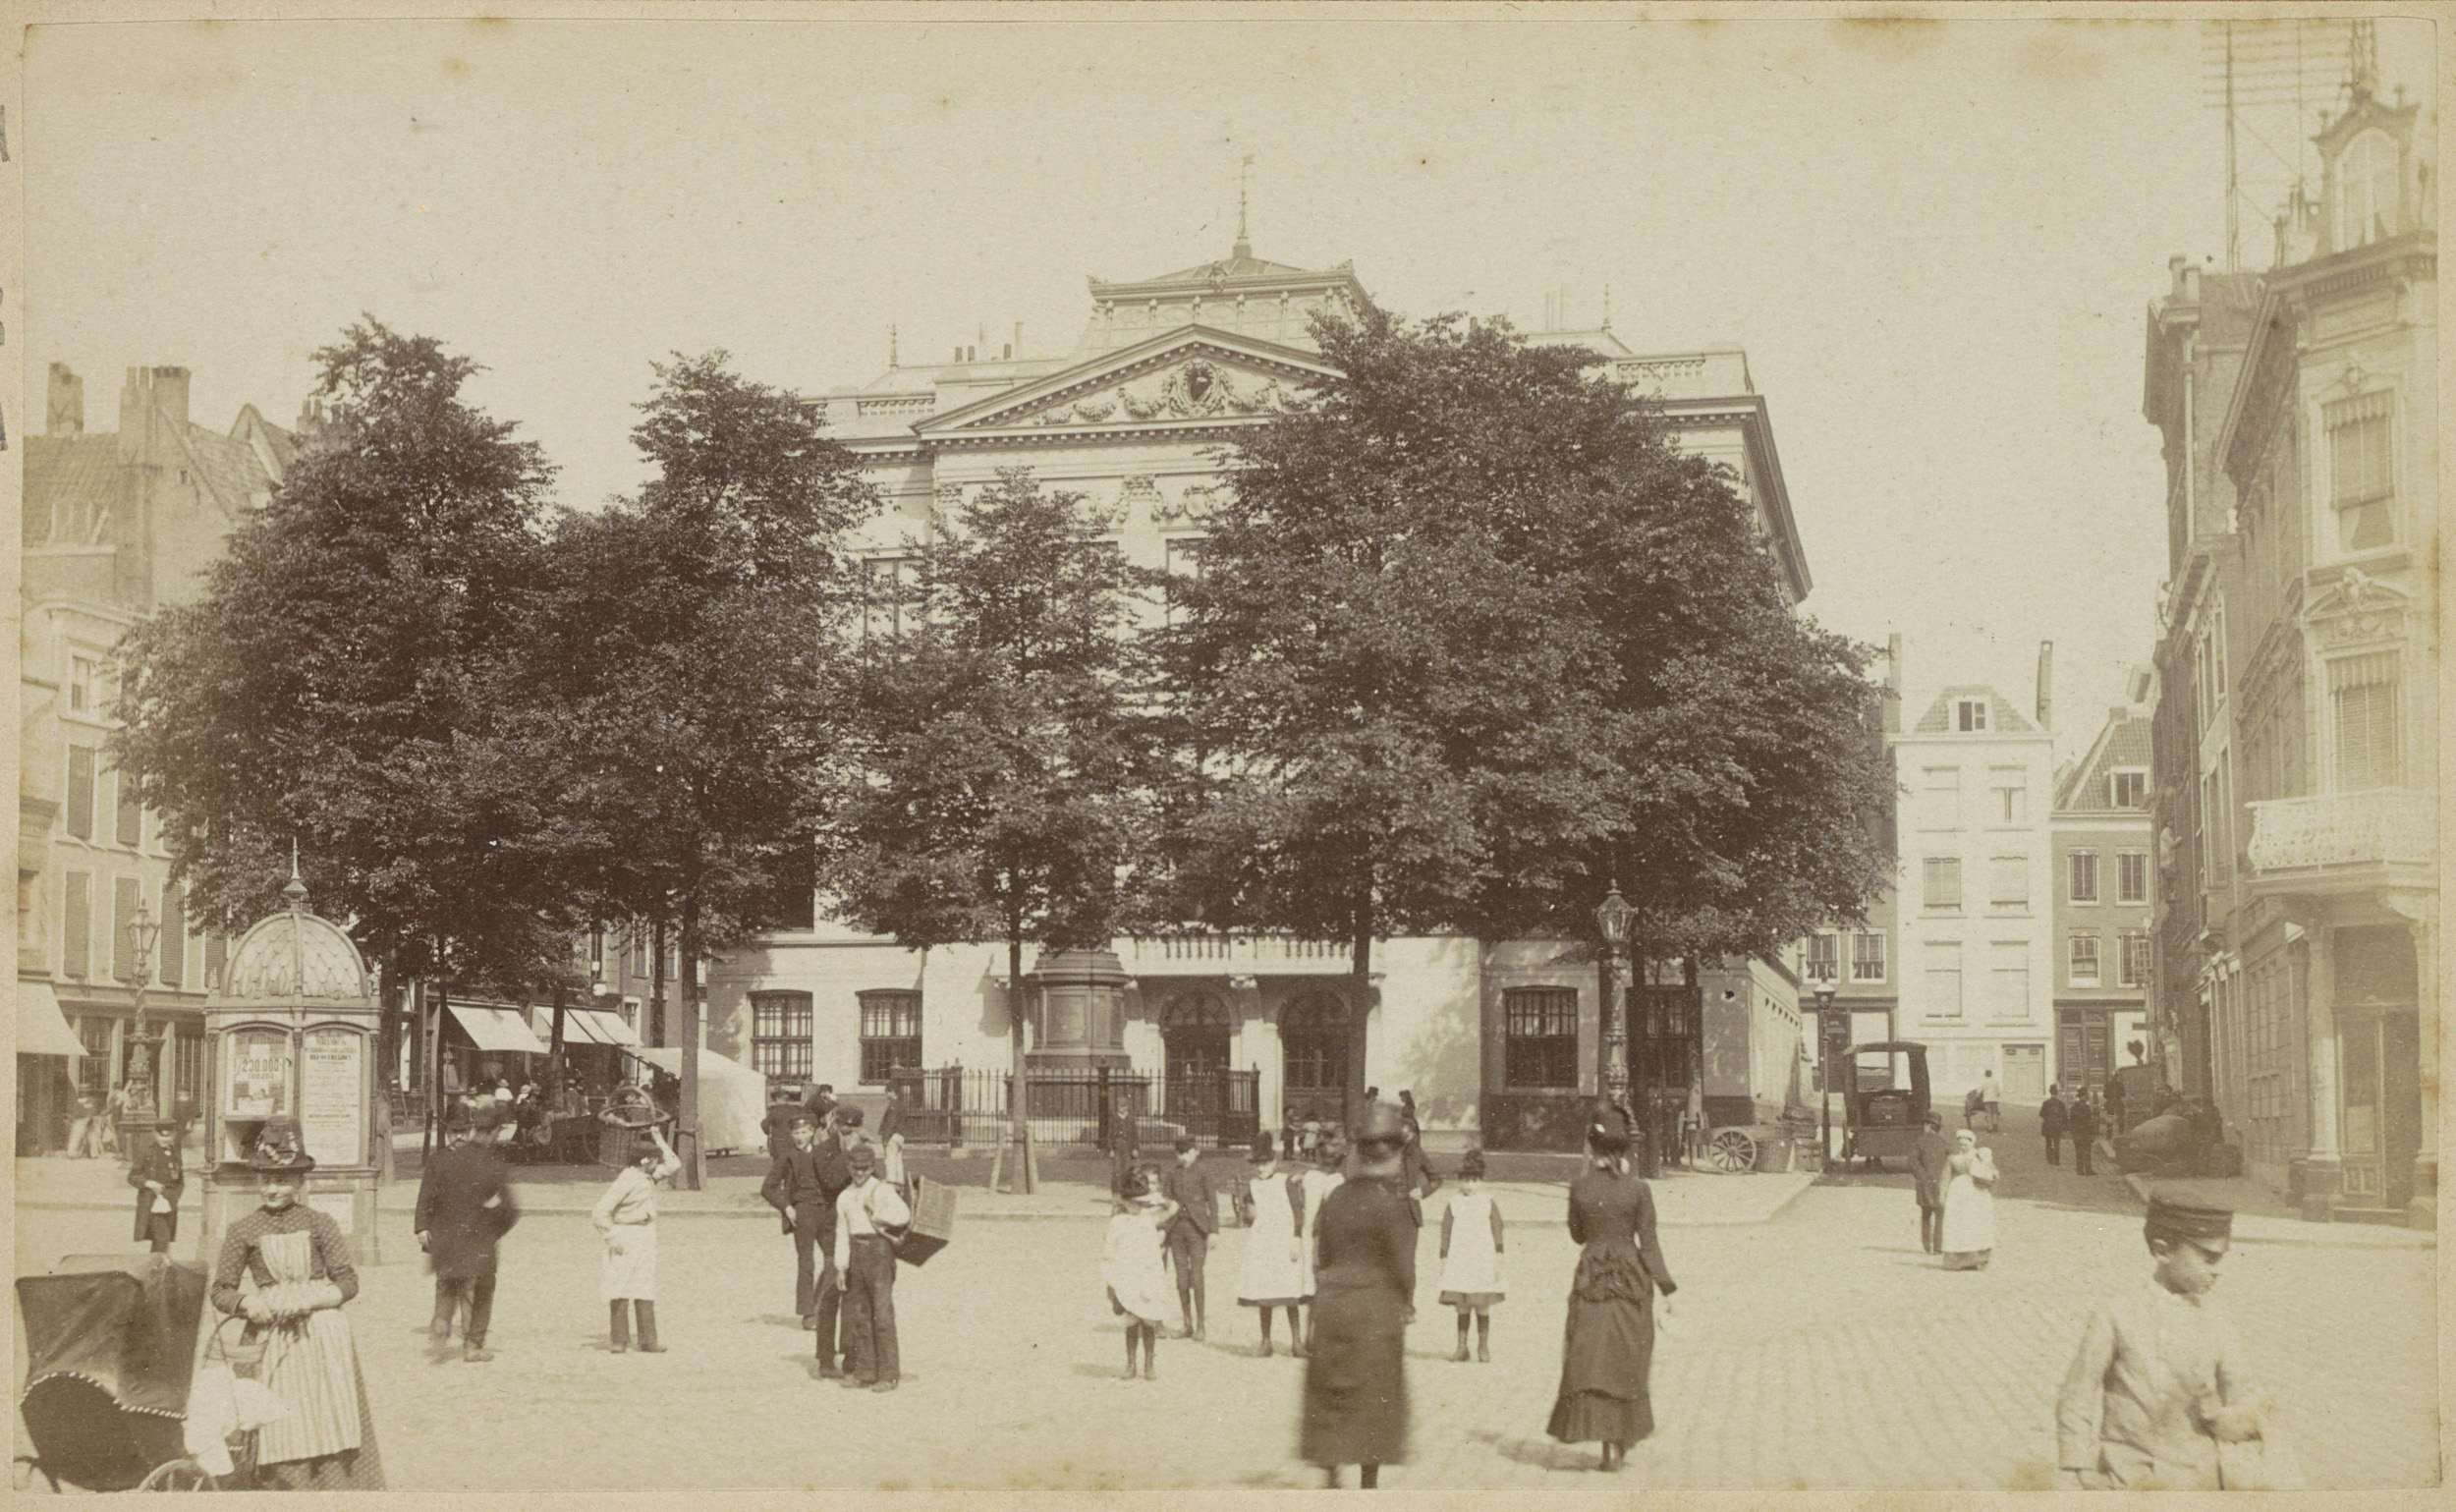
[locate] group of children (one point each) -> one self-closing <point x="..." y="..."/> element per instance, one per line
<point x="1277" y="1204"/>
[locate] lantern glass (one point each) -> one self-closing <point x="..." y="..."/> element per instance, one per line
<point x="1611" y="917"/>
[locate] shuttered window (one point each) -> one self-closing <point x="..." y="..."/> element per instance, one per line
<point x="174" y="937"/>
<point x="126" y="891"/>
<point x="81" y="792"/>
<point x="2361" y="472"/>
<point x="2362" y="697"/>
<point x="77" y="925"/>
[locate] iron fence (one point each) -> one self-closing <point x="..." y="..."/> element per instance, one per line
<point x="954" y="1105"/>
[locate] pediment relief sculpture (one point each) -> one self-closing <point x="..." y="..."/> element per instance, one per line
<point x="1197" y="389"/>
<point x="1193" y="507"/>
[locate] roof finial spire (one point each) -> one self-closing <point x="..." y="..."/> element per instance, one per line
<point x="891" y="361"/>
<point x="2366" y="60"/>
<point x="1245" y="172"/>
<point x="295" y="890"/>
<point x="1607" y="307"/>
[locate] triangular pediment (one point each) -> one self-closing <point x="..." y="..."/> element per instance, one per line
<point x="1193" y="373"/>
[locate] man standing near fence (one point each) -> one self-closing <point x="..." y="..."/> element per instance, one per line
<point x="1190" y="1233"/>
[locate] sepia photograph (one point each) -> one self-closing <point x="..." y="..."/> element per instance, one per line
<point x="1704" y="739"/>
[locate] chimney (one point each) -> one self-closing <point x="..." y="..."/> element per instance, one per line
<point x="2191" y="286"/>
<point x="1018" y="338"/>
<point x="170" y="394"/>
<point x="1893" y="685"/>
<point x="2174" y="271"/>
<point x="1008" y="355"/>
<point x="65" y="415"/>
<point x="2047" y="686"/>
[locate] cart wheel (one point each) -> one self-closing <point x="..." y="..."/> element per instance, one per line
<point x="182" y="1475"/>
<point x="1732" y="1150"/>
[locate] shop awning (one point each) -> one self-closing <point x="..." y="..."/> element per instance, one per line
<point x="42" y="1029"/>
<point x="583" y="1026"/>
<point x="497" y="1029"/>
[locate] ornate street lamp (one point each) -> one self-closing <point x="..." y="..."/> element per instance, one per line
<point x="1611" y="921"/>
<point x="145" y="1104"/>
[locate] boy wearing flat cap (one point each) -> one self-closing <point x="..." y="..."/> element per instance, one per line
<point x="870" y="1217"/>
<point x="2160" y="1380"/>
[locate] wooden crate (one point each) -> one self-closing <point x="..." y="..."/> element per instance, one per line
<point x="934" y="1221"/>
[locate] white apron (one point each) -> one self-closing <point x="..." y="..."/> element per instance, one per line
<point x="629" y="1272"/>
<point x="310" y="1362"/>
<point x="1472" y="1267"/>
<point x="1272" y="1272"/>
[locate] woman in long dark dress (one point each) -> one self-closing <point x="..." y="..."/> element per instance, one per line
<point x="1364" y="1299"/>
<point x="1609" y="1342"/>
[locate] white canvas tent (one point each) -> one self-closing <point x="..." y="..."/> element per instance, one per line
<point x="733" y="1099"/>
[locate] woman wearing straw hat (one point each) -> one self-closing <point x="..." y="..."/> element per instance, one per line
<point x="1608" y="1348"/>
<point x="286" y="1269"/>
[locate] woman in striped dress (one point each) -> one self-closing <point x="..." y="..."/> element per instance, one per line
<point x="286" y="1268"/>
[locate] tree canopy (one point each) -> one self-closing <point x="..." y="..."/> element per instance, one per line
<point x="339" y="684"/>
<point x="1472" y="637"/>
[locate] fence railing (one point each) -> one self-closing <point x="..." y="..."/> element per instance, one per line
<point x="954" y="1105"/>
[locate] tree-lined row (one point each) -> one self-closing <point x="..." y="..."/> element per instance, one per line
<point x="1470" y="640"/>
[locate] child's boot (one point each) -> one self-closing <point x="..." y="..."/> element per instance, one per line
<point x="647" y="1329"/>
<point x="1458" y="1357"/>
<point x="618" y="1319"/>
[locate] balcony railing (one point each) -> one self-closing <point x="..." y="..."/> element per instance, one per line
<point x="2384" y="826"/>
<point x="1217" y="954"/>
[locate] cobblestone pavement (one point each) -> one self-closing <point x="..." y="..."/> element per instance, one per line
<point x="1818" y="1348"/>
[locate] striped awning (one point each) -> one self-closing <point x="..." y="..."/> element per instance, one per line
<point x="583" y="1026"/>
<point x="42" y="1029"/>
<point x="497" y="1029"/>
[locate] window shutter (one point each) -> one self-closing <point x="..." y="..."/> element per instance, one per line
<point x="81" y="794"/>
<point x="174" y="937"/>
<point x="77" y="925"/>
<point x="123" y="896"/>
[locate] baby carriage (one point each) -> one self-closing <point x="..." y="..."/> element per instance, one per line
<point x="111" y="1364"/>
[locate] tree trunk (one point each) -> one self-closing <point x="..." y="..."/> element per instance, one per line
<point x="656" y="1025"/>
<point x="687" y="1125"/>
<point x="554" y="1046"/>
<point x="429" y="1067"/>
<point x="1018" y="1136"/>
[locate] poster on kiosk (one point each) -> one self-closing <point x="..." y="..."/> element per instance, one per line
<point x="290" y="1036"/>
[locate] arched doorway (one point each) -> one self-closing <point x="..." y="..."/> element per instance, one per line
<point x="1314" y="1050"/>
<point x="1194" y="1036"/>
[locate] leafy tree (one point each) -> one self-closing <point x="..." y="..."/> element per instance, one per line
<point x="682" y="660"/>
<point x="1460" y="617"/>
<point x="339" y="685"/>
<point x="1002" y="792"/>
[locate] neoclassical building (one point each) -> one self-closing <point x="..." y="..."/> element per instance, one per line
<point x="1496" y="1040"/>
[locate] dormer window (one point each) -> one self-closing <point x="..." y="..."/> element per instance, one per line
<point x="2367" y="199"/>
<point x="1970" y="714"/>
<point x="2128" y="787"/>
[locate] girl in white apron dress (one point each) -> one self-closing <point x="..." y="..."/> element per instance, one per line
<point x="1272" y="1273"/>
<point x="1471" y="1255"/>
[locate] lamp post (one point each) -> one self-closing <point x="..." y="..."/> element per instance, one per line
<point x="1825" y="1070"/>
<point x="145" y="1102"/>
<point x="1611" y="919"/>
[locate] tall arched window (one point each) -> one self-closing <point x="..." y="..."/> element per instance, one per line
<point x="2366" y="199"/>
<point x="1313" y="1048"/>
<point x="1194" y="1033"/>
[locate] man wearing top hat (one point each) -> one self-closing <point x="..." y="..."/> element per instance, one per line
<point x="2160" y="1379"/>
<point x="465" y="1206"/>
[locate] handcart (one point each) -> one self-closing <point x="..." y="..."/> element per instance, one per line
<point x="111" y="1357"/>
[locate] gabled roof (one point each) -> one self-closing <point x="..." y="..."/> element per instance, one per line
<point x="2122" y="742"/>
<point x="71" y="483"/>
<point x="2002" y="717"/>
<point x="1241" y="264"/>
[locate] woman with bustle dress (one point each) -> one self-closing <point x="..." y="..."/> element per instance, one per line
<point x="286" y="1268"/>
<point x="1365" y="1297"/>
<point x="1608" y="1344"/>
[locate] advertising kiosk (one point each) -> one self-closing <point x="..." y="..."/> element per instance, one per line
<point x="291" y="1034"/>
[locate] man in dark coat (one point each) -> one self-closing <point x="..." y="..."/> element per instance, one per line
<point x="801" y="1186"/>
<point x="2053" y="1119"/>
<point x="155" y="1171"/>
<point x="1190" y="1233"/>
<point x="2082" y="1123"/>
<point x="1928" y="1153"/>
<point x="465" y="1206"/>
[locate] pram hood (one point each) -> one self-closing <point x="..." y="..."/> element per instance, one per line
<point x="128" y="1325"/>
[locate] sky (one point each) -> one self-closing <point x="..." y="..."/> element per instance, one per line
<point x="1936" y="242"/>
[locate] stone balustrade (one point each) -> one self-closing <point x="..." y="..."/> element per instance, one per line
<point x="2384" y="826"/>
